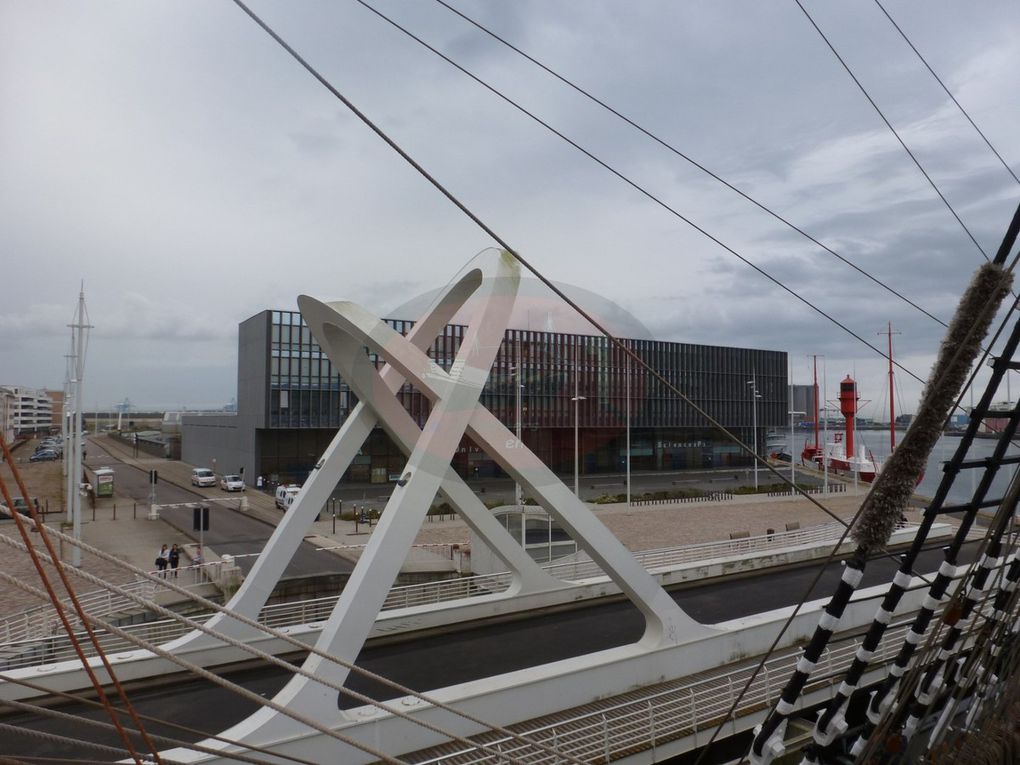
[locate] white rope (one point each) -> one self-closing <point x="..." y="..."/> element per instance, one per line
<point x="293" y="641"/>
<point x="142" y="643"/>
<point x="207" y="675"/>
<point x="14" y="730"/>
<point x="76" y="720"/>
<point x="147" y="718"/>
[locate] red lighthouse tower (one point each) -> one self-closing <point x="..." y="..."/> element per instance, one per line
<point x="848" y="399"/>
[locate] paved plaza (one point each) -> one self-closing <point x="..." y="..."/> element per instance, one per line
<point x="133" y="538"/>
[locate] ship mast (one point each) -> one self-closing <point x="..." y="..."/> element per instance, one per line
<point x="815" y="360"/>
<point x="892" y="410"/>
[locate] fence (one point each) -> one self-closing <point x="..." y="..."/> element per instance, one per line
<point x="42" y="621"/>
<point x="650" y="717"/>
<point x="834" y="488"/>
<point x="715" y="496"/>
<point x="40" y="624"/>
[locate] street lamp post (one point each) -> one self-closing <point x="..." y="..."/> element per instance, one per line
<point x="755" y="395"/>
<point x="518" y="384"/>
<point x="628" y="431"/>
<point x="793" y="464"/>
<point x="576" y="399"/>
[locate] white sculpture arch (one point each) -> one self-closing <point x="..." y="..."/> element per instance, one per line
<point x="343" y="331"/>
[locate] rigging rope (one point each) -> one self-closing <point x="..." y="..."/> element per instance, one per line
<point x="948" y="92"/>
<point x="213" y="678"/>
<point x="80" y="699"/>
<point x="713" y="422"/>
<point x="60" y="608"/>
<point x="889" y="125"/>
<point x="634" y="185"/>
<point x="687" y="158"/>
<point x="280" y="635"/>
<point x="883" y="505"/>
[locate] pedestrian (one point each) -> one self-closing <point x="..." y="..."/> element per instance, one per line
<point x="258" y="483"/>
<point x="196" y="557"/>
<point x="162" y="561"/>
<point x="174" y="557"/>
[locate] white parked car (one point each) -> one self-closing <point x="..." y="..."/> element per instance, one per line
<point x="232" y="483"/>
<point x="203" y="477"/>
<point x="285" y="495"/>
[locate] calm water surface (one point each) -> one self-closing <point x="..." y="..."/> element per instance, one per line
<point x="877" y="442"/>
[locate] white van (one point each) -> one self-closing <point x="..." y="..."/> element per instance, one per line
<point x="203" y="477"/>
<point x="285" y="495"/>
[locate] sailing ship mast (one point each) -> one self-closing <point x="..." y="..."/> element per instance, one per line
<point x="815" y="394"/>
<point x="892" y="410"/>
<point x="812" y="454"/>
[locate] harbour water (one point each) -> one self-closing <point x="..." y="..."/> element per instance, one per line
<point x="877" y="443"/>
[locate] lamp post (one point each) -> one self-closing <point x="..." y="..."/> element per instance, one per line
<point x="825" y="439"/>
<point x="793" y="464"/>
<point x="517" y="376"/>
<point x="755" y="395"/>
<point x="576" y="399"/>
<point x="628" y="431"/>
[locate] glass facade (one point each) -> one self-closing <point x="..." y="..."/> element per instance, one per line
<point x="558" y="382"/>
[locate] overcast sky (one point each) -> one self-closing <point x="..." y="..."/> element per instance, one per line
<point x="174" y="158"/>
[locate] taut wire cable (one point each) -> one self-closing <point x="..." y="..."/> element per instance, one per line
<point x="949" y="93"/>
<point x="275" y="660"/>
<point x="61" y="613"/>
<point x="889" y="125"/>
<point x="687" y="158"/>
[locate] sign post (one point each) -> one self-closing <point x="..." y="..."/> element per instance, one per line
<point x="200" y="523"/>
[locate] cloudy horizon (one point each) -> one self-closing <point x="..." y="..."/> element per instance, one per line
<point x="174" y="159"/>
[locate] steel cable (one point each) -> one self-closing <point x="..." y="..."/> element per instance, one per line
<point x="889" y="125"/>
<point x="61" y="612"/>
<point x="949" y="93"/>
<point x="275" y="660"/>
<point x="687" y="158"/>
<point x="213" y="678"/>
<point x="80" y="699"/>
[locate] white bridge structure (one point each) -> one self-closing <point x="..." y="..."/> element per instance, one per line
<point x="639" y="703"/>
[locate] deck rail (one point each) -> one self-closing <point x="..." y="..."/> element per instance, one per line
<point x="31" y="635"/>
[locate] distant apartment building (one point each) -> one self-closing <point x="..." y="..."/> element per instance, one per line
<point x="6" y="416"/>
<point x="28" y="410"/>
<point x="57" y="399"/>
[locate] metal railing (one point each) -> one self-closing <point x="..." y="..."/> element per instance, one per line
<point x="41" y="622"/>
<point x="669" y="557"/>
<point x="647" y="718"/>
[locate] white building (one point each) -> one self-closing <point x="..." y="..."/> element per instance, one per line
<point x="25" y="410"/>
<point x="6" y="416"/>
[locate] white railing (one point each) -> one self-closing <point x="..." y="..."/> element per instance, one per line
<point x="600" y="732"/>
<point x="42" y="624"/>
<point x="668" y="557"/>
<point x="42" y="621"/>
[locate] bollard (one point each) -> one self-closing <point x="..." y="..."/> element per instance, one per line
<point x="93" y="511"/>
<point x="114" y="511"/>
<point x="134" y="511"/>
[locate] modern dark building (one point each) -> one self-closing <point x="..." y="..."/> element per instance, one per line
<point x="290" y="403"/>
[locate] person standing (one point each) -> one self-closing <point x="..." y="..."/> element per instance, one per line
<point x="162" y="561"/>
<point x="174" y="558"/>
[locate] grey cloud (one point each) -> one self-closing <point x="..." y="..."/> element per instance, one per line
<point x="192" y="174"/>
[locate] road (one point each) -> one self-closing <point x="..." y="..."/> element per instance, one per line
<point x="464" y="654"/>
<point x="591" y="486"/>
<point x="230" y="532"/>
